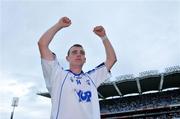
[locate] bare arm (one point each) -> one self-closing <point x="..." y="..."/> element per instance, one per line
<point x="110" y="53"/>
<point x="47" y="37"/>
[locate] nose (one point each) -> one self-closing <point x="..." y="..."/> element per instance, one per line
<point x="78" y="54"/>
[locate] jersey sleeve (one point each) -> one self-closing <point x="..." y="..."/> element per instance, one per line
<point x="51" y="70"/>
<point x="99" y="74"/>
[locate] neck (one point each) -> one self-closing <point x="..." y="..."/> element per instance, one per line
<point x="76" y="69"/>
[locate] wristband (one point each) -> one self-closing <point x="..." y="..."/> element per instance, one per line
<point x="104" y="38"/>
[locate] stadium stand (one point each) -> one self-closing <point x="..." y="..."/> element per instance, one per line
<point x="149" y="105"/>
<point x="151" y="95"/>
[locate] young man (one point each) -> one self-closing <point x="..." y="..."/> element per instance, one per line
<point x="73" y="92"/>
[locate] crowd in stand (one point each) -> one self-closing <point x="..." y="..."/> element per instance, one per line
<point x="141" y="102"/>
<point x="175" y="115"/>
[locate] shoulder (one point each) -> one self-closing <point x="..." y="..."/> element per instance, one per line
<point x="100" y="65"/>
<point x="96" y="68"/>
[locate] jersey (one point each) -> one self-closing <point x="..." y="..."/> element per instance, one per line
<point x="73" y="96"/>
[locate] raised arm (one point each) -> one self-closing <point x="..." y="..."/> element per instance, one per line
<point x="110" y="53"/>
<point x="47" y="37"/>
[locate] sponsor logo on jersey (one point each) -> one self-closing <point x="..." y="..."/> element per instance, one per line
<point x="84" y="96"/>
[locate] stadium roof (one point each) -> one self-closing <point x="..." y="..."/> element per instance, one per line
<point x="147" y="81"/>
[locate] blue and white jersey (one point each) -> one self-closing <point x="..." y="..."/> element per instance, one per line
<point x="73" y="96"/>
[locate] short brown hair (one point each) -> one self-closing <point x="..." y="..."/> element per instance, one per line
<point x="75" y="45"/>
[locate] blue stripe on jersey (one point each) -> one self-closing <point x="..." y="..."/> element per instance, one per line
<point x="90" y="71"/>
<point x="102" y="64"/>
<point x="60" y="96"/>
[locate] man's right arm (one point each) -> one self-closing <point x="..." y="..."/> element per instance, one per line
<point x="47" y="37"/>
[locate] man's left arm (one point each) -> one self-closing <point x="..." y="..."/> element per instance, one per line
<point x="110" y="53"/>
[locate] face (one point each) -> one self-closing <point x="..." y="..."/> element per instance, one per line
<point x="76" y="56"/>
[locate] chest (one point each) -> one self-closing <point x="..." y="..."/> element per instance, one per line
<point x="80" y="86"/>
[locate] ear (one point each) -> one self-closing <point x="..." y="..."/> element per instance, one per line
<point x="84" y="60"/>
<point x="67" y="58"/>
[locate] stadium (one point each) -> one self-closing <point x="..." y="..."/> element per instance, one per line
<point x="151" y="95"/>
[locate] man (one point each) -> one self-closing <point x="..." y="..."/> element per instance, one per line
<point x="73" y="92"/>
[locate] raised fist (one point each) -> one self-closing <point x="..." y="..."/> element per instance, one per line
<point x="64" y="22"/>
<point x="100" y="31"/>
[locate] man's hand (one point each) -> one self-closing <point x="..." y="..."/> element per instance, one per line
<point x="100" y="31"/>
<point x="64" y="22"/>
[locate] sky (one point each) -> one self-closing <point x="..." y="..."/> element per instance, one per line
<point x="144" y="33"/>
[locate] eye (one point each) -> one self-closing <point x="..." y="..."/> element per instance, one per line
<point x="74" y="52"/>
<point x="82" y="52"/>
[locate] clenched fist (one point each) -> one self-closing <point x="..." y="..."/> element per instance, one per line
<point x="64" y="22"/>
<point x="100" y="31"/>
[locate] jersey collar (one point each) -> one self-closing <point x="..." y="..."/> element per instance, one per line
<point x="75" y="73"/>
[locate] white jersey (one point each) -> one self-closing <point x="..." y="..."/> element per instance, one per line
<point x="73" y="96"/>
